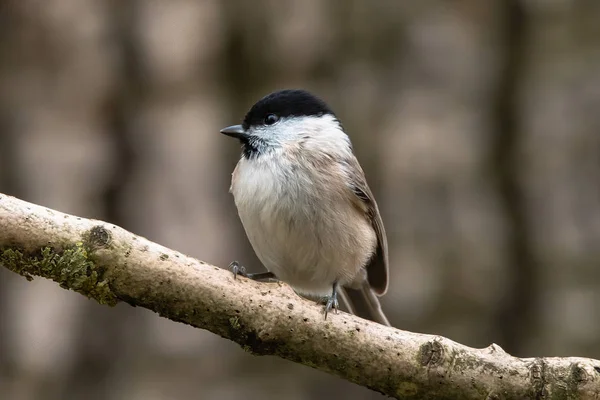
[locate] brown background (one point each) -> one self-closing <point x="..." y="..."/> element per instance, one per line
<point x="477" y="122"/>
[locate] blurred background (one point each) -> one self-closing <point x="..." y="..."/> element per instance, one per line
<point x="477" y="123"/>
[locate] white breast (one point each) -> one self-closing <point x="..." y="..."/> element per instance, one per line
<point x="303" y="230"/>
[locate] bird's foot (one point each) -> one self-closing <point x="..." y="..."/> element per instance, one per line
<point x="237" y="269"/>
<point x="331" y="301"/>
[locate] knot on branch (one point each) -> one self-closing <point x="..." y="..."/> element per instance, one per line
<point x="432" y="353"/>
<point x="98" y="238"/>
<point x="538" y="378"/>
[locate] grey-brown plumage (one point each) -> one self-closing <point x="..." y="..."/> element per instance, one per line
<point x="305" y="204"/>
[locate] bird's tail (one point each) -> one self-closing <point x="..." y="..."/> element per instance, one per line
<point x="364" y="303"/>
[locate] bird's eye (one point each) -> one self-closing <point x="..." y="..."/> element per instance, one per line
<point x="270" y="119"/>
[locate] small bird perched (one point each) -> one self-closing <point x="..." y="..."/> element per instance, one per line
<point x="305" y="204"/>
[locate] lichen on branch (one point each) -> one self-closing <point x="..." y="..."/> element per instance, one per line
<point x="71" y="268"/>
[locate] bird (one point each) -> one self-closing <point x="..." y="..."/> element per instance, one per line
<point x="305" y="205"/>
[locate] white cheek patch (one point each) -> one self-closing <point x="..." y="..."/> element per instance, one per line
<point x="325" y="133"/>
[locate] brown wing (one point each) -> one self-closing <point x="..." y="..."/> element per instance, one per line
<point x="378" y="266"/>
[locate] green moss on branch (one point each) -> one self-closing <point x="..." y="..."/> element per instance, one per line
<point x="70" y="267"/>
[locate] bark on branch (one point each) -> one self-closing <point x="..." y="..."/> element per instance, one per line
<point x="109" y="264"/>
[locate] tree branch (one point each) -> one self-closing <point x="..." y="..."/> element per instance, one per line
<point x="109" y="264"/>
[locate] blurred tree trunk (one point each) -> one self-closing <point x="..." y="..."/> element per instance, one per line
<point x="106" y="340"/>
<point x="517" y="312"/>
<point x="9" y="185"/>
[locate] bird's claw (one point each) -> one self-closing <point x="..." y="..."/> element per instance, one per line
<point x="331" y="303"/>
<point x="237" y="269"/>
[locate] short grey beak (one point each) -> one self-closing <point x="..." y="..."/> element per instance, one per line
<point x="236" y="131"/>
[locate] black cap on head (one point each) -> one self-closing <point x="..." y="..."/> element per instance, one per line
<point x="286" y="103"/>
